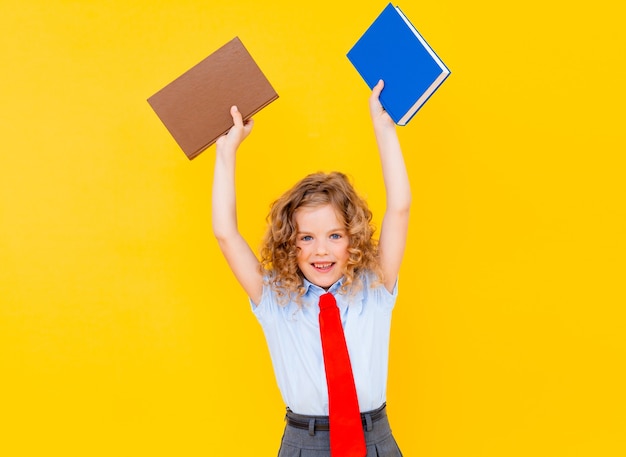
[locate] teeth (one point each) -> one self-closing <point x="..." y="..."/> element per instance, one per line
<point x="322" y="266"/>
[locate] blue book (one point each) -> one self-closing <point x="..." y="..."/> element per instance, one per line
<point x="392" y="49"/>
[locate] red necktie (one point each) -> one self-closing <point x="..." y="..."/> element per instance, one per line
<point x="346" y="428"/>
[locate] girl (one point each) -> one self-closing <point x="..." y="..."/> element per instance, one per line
<point x="319" y="240"/>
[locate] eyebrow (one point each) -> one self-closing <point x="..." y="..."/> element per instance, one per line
<point x="333" y="230"/>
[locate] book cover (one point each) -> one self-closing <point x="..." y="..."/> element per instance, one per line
<point x="195" y="107"/>
<point x="393" y="50"/>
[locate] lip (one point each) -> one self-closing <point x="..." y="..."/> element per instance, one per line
<point x="323" y="267"/>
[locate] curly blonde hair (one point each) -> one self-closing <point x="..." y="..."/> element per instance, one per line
<point x="279" y="252"/>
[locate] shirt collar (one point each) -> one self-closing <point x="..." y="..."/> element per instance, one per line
<point x="317" y="290"/>
<point x="311" y="290"/>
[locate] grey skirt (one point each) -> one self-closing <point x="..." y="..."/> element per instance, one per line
<point x="314" y="441"/>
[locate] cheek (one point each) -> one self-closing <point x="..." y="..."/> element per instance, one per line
<point x="300" y="254"/>
<point x="343" y="252"/>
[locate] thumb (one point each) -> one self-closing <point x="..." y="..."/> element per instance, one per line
<point x="237" y="118"/>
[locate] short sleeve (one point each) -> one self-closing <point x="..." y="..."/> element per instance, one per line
<point x="388" y="299"/>
<point x="264" y="309"/>
<point x="375" y="292"/>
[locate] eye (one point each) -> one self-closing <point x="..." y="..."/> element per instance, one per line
<point x="306" y="238"/>
<point x="335" y="236"/>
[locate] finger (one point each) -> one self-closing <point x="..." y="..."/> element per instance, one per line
<point x="237" y="118"/>
<point x="374" y="96"/>
<point x="378" y="88"/>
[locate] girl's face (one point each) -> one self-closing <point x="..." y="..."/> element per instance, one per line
<point x="322" y="244"/>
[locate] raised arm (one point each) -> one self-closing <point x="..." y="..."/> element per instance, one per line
<point x="395" y="222"/>
<point x="241" y="259"/>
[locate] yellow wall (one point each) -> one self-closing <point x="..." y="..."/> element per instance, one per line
<point x="123" y="333"/>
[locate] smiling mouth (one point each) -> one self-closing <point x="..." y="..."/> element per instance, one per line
<point x="323" y="266"/>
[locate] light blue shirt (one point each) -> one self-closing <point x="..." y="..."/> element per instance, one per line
<point x="293" y="339"/>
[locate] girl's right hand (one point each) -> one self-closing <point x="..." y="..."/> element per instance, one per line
<point x="237" y="132"/>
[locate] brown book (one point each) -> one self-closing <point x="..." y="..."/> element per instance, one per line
<point x="195" y="107"/>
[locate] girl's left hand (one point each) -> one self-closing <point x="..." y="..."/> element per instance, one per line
<point x="380" y="117"/>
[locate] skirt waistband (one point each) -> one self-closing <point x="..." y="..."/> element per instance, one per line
<point x="321" y="423"/>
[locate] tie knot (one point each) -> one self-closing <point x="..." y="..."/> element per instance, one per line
<point x="327" y="301"/>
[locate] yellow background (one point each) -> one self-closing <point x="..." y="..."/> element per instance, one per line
<point x="123" y="333"/>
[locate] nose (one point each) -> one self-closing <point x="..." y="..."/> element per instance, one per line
<point x="321" y="247"/>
